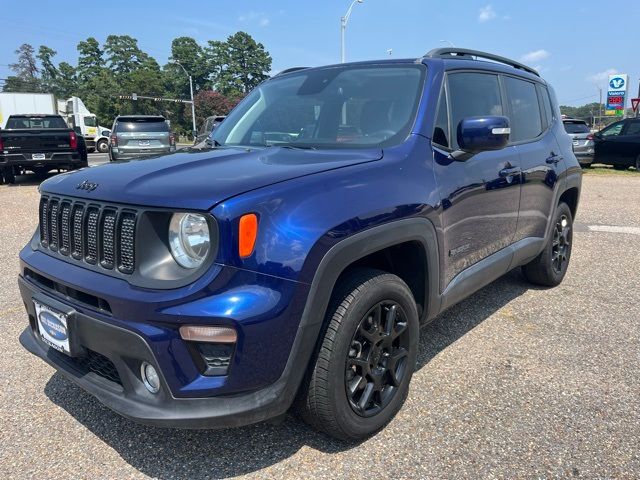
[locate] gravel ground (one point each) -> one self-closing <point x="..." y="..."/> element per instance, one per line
<point x="515" y="382"/>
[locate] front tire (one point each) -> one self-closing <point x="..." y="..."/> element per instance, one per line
<point x="360" y="376"/>
<point x="9" y="175"/>
<point x="102" y="146"/>
<point x="550" y="267"/>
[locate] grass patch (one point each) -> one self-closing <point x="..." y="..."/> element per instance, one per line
<point x="598" y="169"/>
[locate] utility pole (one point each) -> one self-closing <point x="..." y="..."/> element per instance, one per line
<point x="600" y="106"/>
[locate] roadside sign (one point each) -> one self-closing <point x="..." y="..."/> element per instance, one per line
<point x="617" y="94"/>
<point x="634" y="104"/>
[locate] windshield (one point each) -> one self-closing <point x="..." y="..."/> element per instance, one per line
<point x="335" y="107"/>
<point x="36" y="122"/>
<point x="90" y="121"/>
<point x="576" y="127"/>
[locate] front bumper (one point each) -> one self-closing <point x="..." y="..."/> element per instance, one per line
<point x="263" y="377"/>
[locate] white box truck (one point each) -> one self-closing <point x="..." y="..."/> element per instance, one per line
<point x="25" y="103"/>
<point x="85" y="123"/>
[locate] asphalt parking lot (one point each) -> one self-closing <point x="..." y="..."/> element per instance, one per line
<point x="514" y="382"/>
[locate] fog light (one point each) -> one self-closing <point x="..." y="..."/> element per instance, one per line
<point x="150" y="377"/>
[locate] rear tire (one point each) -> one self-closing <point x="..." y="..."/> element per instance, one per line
<point x="550" y="267"/>
<point x="359" y="377"/>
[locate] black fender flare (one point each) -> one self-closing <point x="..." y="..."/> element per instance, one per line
<point x="333" y="263"/>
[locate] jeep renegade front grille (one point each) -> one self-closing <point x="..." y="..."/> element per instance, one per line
<point x="87" y="232"/>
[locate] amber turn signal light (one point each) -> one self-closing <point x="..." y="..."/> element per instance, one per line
<point x="247" y="234"/>
<point x="202" y="333"/>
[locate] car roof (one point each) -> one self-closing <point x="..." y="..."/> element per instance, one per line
<point x="448" y="63"/>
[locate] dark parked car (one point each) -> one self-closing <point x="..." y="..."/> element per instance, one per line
<point x="582" y="139"/>
<point x="39" y="143"/>
<point x="135" y="136"/>
<point x="210" y="124"/>
<point x="219" y="287"/>
<point x="619" y="144"/>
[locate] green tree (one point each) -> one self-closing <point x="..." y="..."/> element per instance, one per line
<point x="123" y="54"/>
<point x="239" y="64"/>
<point x="90" y="59"/>
<point x="48" y="69"/>
<point x="26" y="72"/>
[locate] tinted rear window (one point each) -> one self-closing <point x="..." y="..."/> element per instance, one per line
<point x="576" y="127"/>
<point x="36" y="122"/>
<point x="142" y="125"/>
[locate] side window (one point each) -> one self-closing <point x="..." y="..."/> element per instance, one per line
<point x="633" y="129"/>
<point x="612" y="130"/>
<point x="526" y="123"/>
<point x="472" y="95"/>
<point x="546" y="105"/>
<point x="441" y="128"/>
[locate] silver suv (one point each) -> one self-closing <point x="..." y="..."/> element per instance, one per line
<point x="134" y="136"/>
<point x="583" y="145"/>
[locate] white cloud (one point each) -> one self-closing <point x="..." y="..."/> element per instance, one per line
<point x="535" y="56"/>
<point x="486" y="13"/>
<point x="602" y="76"/>
<point x="255" y="17"/>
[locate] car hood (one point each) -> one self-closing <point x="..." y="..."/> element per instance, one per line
<point x="196" y="179"/>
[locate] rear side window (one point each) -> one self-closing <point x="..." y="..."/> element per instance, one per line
<point x="576" y="127"/>
<point x="546" y="105"/>
<point x="142" y="125"/>
<point x="633" y="129"/>
<point x="526" y="123"/>
<point x="472" y="95"/>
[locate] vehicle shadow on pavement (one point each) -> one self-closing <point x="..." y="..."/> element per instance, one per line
<point x="171" y="453"/>
<point x="31" y="180"/>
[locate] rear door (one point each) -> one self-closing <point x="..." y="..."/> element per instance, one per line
<point x="479" y="196"/>
<point x="629" y="140"/>
<point x="143" y="135"/>
<point x="540" y="155"/>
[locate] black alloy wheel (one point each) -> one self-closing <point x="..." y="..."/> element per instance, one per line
<point x="561" y="243"/>
<point x="377" y="358"/>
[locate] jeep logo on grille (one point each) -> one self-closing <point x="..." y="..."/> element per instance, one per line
<point x="87" y="185"/>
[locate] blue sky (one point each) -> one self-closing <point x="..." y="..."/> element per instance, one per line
<point x="575" y="44"/>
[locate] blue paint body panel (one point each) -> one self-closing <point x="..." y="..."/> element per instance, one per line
<point x="307" y="203"/>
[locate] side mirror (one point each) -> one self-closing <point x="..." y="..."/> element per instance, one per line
<point x="481" y="134"/>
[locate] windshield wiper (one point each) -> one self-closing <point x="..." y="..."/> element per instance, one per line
<point x="293" y="146"/>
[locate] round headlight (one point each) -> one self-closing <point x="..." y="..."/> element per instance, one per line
<point x="189" y="239"/>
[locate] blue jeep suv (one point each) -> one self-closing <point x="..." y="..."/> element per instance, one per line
<point x="290" y="260"/>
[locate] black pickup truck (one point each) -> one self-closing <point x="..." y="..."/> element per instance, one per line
<point x="39" y="143"/>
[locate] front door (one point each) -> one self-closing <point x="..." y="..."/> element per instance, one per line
<point x="480" y="196"/>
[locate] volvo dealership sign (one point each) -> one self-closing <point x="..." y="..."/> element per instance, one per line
<point x="617" y="94"/>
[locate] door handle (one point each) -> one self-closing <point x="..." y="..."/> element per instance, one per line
<point x="509" y="172"/>
<point x="554" y="159"/>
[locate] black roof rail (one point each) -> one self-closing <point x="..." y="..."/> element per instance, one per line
<point x="465" y="53"/>
<point x="290" y="70"/>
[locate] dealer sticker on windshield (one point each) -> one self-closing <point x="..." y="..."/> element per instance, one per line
<point x="53" y="327"/>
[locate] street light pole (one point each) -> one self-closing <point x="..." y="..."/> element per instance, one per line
<point x="343" y="27"/>
<point x="193" y="105"/>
